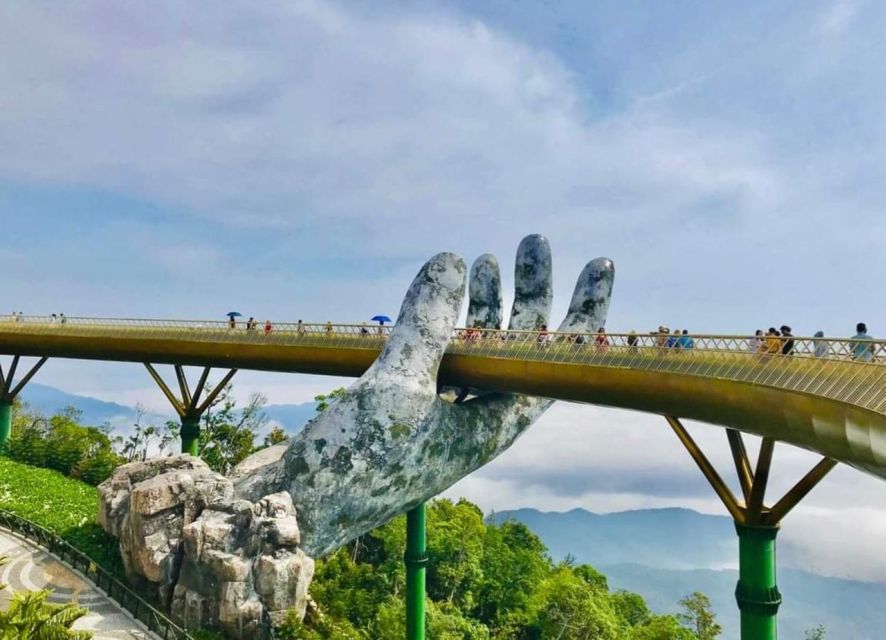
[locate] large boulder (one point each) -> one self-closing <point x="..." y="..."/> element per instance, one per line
<point x="214" y="560"/>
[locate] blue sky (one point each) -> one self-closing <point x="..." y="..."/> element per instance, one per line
<point x="302" y="159"/>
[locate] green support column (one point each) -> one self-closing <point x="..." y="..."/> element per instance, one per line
<point x="5" y="422"/>
<point x="190" y="435"/>
<point x="416" y="561"/>
<point x="756" y="592"/>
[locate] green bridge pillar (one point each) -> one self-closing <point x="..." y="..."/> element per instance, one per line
<point x="5" y="422"/>
<point x="756" y="592"/>
<point x="190" y="435"/>
<point x="416" y="562"/>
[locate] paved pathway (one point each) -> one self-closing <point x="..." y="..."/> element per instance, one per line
<point x="30" y="567"/>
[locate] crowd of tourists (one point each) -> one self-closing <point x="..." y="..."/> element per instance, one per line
<point x="861" y="347"/>
<point x="780" y="341"/>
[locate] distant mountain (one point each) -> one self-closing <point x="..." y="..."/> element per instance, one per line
<point x="49" y="400"/>
<point x="652" y="537"/>
<point x="666" y="554"/>
<point x="848" y="609"/>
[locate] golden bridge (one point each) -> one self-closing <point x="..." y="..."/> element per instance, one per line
<point x="824" y="395"/>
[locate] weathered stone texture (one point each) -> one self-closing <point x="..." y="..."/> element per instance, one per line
<point x="215" y="561"/>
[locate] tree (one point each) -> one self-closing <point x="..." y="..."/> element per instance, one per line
<point x="817" y="632"/>
<point x="138" y="446"/>
<point x="660" y="628"/>
<point x="455" y="547"/>
<point x="514" y="563"/>
<point x="275" y="436"/>
<point x="631" y="607"/>
<point x="61" y="443"/>
<point x="698" y="616"/>
<point x="324" y="400"/>
<point x="570" y="610"/>
<point x="227" y="435"/>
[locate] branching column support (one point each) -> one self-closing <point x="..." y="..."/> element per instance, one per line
<point x="189" y="407"/>
<point x="756" y="524"/>
<point x="8" y="393"/>
<point x="416" y="564"/>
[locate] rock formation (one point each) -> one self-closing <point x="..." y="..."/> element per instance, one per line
<point x="215" y="561"/>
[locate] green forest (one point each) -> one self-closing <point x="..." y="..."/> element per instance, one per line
<point x="484" y="581"/>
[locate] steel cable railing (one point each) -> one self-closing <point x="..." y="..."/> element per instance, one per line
<point x="843" y="369"/>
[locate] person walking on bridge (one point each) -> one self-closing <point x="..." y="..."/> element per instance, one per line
<point x="756" y="343"/>
<point x="772" y="344"/>
<point x="787" y="342"/>
<point x="268" y="327"/>
<point x="862" y="344"/>
<point x="822" y="348"/>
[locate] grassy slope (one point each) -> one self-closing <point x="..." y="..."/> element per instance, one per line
<point x="67" y="507"/>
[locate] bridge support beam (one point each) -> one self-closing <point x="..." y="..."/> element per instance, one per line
<point x="757" y="525"/>
<point x="8" y="393"/>
<point x="5" y="422"/>
<point x="416" y="564"/>
<point x="188" y="406"/>
<point x="756" y="593"/>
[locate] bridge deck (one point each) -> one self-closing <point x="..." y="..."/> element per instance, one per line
<point x="819" y="397"/>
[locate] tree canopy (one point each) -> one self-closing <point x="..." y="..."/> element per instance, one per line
<point x="484" y="582"/>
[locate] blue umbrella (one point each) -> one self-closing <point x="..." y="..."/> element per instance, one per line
<point x="233" y="314"/>
<point x="380" y="319"/>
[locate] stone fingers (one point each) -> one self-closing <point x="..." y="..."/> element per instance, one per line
<point x="533" y="289"/>
<point x="484" y="292"/>
<point x="590" y="301"/>
<point x="424" y="327"/>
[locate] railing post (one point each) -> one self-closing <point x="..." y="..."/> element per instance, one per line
<point x="190" y="435"/>
<point x="5" y="422"/>
<point x="416" y="561"/>
<point x="756" y="593"/>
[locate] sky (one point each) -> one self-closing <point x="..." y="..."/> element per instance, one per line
<point x="302" y="159"/>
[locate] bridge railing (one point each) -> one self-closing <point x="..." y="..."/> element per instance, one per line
<point x="870" y="351"/>
<point x="140" y="609"/>
<point x="843" y="369"/>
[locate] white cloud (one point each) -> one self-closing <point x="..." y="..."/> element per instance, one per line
<point x="307" y="109"/>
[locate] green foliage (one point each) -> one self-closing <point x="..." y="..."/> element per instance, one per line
<point x="817" y="632"/>
<point x="484" y="582"/>
<point x="28" y="615"/>
<point x="324" y="400"/>
<point x="141" y="440"/>
<point x="62" y="444"/>
<point x="698" y="616"/>
<point x="568" y="608"/>
<point x="631" y="607"/>
<point x="227" y="434"/>
<point x="275" y="436"/>
<point x="325" y="628"/>
<point x="65" y="506"/>
<point x="660" y="628"/>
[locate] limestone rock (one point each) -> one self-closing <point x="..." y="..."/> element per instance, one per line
<point x="214" y="560"/>
<point x="240" y="563"/>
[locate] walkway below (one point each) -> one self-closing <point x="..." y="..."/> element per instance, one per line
<point x="32" y="568"/>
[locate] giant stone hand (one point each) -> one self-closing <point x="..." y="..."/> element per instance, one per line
<point x="391" y="441"/>
<point x="232" y="552"/>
